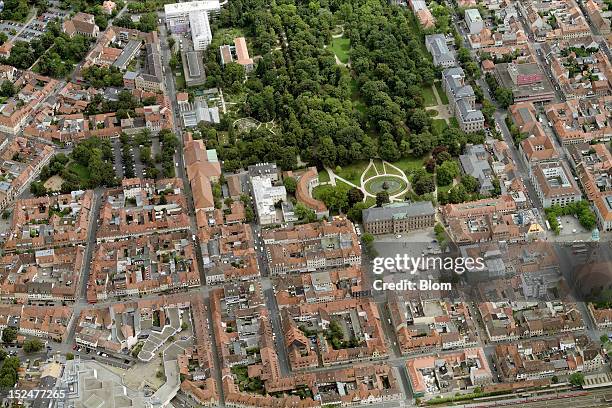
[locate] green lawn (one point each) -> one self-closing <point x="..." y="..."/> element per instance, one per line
<point x="352" y="172"/>
<point x="354" y="89"/>
<point x="439" y="125"/>
<point x="441" y="93"/>
<point x="370" y="201"/>
<point x="323" y="176"/>
<point x="80" y="171"/>
<point x="445" y="188"/>
<point x="341" y="46"/>
<point x="318" y="191"/>
<point x="379" y="166"/>
<point x="225" y="36"/>
<point x="409" y="164"/>
<point x="179" y="80"/>
<point x="428" y="97"/>
<point x="432" y="112"/>
<point x="392" y="170"/>
<point x="371" y="172"/>
<point x="356" y="98"/>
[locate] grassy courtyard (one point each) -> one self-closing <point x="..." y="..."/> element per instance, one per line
<point x="409" y="164"/>
<point x="81" y="171"/>
<point x="428" y="97"/>
<point x="453" y="122"/>
<point x="439" y="125"/>
<point x="352" y="172"/>
<point x="441" y="93"/>
<point x="341" y="46"/>
<point x="323" y="176"/>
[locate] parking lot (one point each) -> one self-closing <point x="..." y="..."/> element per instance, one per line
<point x="36" y="27"/>
<point x="119" y="165"/>
<point x="139" y="168"/>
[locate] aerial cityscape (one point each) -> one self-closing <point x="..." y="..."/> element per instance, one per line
<point x="250" y="203"/>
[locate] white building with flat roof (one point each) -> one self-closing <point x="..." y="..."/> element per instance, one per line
<point x="266" y="196"/>
<point x="473" y="20"/>
<point x="177" y="14"/>
<point x="200" y="30"/>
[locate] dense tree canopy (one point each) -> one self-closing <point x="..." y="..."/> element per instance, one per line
<point x="326" y="113"/>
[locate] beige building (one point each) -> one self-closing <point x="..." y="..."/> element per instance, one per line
<point x="399" y="217"/>
<point x="554" y="183"/>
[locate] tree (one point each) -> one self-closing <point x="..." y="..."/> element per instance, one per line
<point x="355" y="195"/>
<point x="418" y="120"/>
<point x="382" y="197"/>
<point x="604" y="338"/>
<point x="232" y="73"/>
<point x="9" y="335"/>
<point x="3" y="354"/>
<point x="421" y="144"/>
<point x="422" y="182"/>
<point x="32" y="346"/>
<point x="388" y="149"/>
<point x="355" y="213"/>
<point x="304" y="213"/>
<point x="488" y="109"/>
<point x="504" y="97"/>
<point x="587" y="219"/>
<point x="174" y="61"/>
<point x="463" y="55"/>
<point x="368" y="241"/>
<point x="496" y="187"/>
<point x="7" y="89"/>
<point x="290" y="184"/>
<point x="148" y="22"/>
<point x="457" y="194"/>
<point x="336" y="198"/>
<point x="430" y="165"/>
<point x="38" y="189"/>
<point x="446" y="172"/>
<point x="8" y="372"/>
<point x="326" y="151"/>
<point x="576" y="379"/>
<point x="69" y="356"/>
<point x="554" y="379"/>
<point x="442" y="156"/>
<point x="471" y="183"/>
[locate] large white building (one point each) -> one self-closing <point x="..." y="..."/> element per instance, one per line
<point x="200" y="30"/>
<point x="266" y="196"/>
<point x="473" y="20"/>
<point x="178" y="14"/>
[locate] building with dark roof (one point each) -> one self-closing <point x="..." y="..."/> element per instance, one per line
<point x="475" y="163"/>
<point x="436" y="45"/>
<point x="462" y="100"/>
